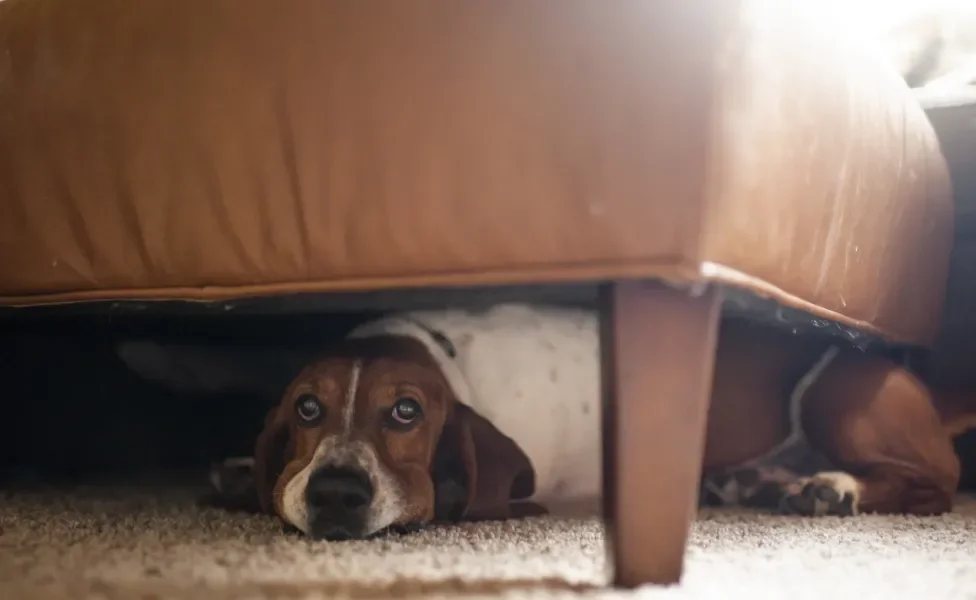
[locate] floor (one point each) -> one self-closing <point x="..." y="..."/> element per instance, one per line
<point x="149" y="541"/>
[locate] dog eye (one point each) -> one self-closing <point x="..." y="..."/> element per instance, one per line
<point x="308" y="408"/>
<point x="406" y="411"/>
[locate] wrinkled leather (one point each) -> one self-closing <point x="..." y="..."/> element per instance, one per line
<point x="219" y="148"/>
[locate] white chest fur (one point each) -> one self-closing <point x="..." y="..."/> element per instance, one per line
<point x="533" y="371"/>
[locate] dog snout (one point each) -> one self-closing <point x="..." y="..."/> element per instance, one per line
<point x="338" y="503"/>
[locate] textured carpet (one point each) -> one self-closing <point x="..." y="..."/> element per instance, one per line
<point x="154" y="542"/>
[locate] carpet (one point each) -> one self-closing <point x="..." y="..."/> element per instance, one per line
<point x="148" y="540"/>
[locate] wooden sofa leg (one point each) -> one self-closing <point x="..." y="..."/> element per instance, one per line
<point x="658" y="346"/>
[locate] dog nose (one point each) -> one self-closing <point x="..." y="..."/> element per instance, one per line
<point x="338" y="502"/>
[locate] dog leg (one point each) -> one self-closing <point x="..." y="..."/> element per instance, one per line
<point x="232" y="485"/>
<point x="828" y="493"/>
<point x="757" y="486"/>
<point x="887" y="484"/>
<point x="875" y="420"/>
<point x="885" y="491"/>
<point x="881" y="448"/>
<point x="779" y="489"/>
<point x="794" y="468"/>
<point x="793" y="478"/>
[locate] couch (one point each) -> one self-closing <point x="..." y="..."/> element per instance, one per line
<point x="671" y="155"/>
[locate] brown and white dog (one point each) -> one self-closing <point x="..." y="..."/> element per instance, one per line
<point x="454" y="414"/>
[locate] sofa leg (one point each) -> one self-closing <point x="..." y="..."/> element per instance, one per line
<point x="658" y="349"/>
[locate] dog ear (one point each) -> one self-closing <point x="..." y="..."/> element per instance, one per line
<point x="271" y="452"/>
<point x="478" y="471"/>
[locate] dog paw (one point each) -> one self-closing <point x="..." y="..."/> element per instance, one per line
<point x="825" y="494"/>
<point x="232" y="475"/>
<point x="232" y="486"/>
<point x="754" y="487"/>
<point x="726" y="488"/>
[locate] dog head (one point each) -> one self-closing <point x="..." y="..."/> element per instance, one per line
<point x="373" y="437"/>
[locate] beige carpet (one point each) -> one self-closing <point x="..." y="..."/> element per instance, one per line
<point x="152" y="542"/>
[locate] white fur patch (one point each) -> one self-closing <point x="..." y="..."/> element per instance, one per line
<point x="387" y="504"/>
<point x="349" y="410"/>
<point x="293" y="507"/>
<point x="533" y="372"/>
<point x="842" y="483"/>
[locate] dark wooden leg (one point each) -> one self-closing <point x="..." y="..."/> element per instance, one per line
<point x="658" y="349"/>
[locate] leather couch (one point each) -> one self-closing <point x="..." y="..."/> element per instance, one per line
<point x="669" y="153"/>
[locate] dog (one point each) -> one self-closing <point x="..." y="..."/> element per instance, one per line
<point x="467" y="415"/>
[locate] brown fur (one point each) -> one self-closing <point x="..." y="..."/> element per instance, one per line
<point x="878" y="422"/>
<point x="756" y="368"/>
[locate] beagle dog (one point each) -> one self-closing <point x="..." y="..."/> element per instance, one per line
<point x="456" y="414"/>
<point x="434" y="416"/>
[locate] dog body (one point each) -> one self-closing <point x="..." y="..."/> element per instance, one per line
<point x="488" y="414"/>
<point x="534" y="374"/>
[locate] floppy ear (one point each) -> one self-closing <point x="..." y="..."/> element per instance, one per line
<point x="478" y="471"/>
<point x="271" y="453"/>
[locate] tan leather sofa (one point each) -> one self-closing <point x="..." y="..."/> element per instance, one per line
<point x="669" y="152"/>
